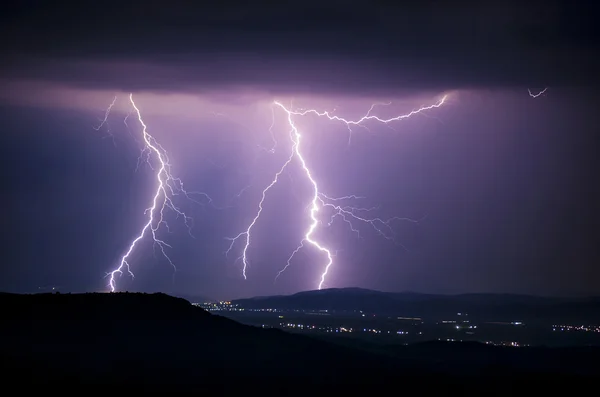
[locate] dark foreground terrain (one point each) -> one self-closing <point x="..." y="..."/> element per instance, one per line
<point x="154" y="342"/>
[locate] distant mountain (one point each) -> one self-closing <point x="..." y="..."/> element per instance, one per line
<point x="155" y="342"/>
<point x="486" y="306"/>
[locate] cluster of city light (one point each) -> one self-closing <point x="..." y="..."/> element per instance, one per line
<point x="506" y="344"/>
<point x="580" y="328"/>
<point x="219" y="307"/>
<point x="332" y="329"/>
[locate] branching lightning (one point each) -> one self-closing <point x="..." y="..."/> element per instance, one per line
<point x="246" y="234"/>
<point x="167" y="187"/>
<point x="104" y="121"/>
<point x="319" y="200"/>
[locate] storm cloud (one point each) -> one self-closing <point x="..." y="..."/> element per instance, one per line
<point x="303" y="47"/>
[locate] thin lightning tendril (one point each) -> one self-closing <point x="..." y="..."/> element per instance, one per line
<point x="319" y="200"/>
<point x="167" y="187"/>
<point x="533" y="95"/>
<point x="104" y="121"/>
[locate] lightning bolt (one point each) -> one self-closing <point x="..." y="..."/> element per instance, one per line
<point x="167" y="187"/>
<point x="531" y="94"/>
<point x="319" y="200"/>
<point x="246" y="234"/>
<point x="104" y="121"/>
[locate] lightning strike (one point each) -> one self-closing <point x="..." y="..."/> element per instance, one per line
<point x="246" y="234"/>
<point x="320" y="201"/>
<point x="167" y="187"/>
<point x="533" y="95"/>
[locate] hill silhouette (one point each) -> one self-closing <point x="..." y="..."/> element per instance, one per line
<point x="160" y="343"/>
<point x="485" y="306"/>
<point x="156" y="338"/>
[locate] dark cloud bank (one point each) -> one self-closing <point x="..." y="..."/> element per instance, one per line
<point x="309" y="46"/>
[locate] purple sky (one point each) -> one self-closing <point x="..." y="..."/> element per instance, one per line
<point x="505" y="181"/>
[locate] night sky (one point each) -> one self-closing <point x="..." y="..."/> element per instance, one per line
<point x="505" y="184"/>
